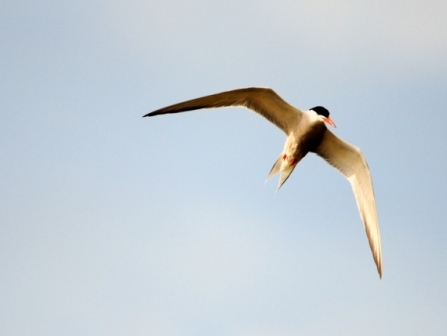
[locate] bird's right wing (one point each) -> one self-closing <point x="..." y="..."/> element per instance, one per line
<point x="264" y="101"/>
<point x="350" y="161"/>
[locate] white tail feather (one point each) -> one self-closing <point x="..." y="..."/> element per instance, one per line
<point x="283" y="165"/>
<point x="285" y="173"/>
<point x="276" y="167"/>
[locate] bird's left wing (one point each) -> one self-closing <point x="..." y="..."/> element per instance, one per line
<point x="350" y="161"/>
<point x="263" y="101"/>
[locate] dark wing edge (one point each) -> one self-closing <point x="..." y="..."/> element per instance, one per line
<point x="349" y="160"/>
<point x="263" y="101"/>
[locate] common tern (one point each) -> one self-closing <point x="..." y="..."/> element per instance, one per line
<point x="306" y="132"/>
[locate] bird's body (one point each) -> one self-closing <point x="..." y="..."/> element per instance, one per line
<point x="303" y="138"/>
<point x="306" y="132"/>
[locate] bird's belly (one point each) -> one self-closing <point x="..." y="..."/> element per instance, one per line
<point x="299" y="144"/>
<point x="293" y="152"/>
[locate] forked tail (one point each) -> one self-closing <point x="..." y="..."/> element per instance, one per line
<point x="284" y="166"/>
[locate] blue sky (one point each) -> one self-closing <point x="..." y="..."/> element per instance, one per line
<point x="111" y="224"/>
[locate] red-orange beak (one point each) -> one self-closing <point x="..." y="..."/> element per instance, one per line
<point x="329" y="121"/>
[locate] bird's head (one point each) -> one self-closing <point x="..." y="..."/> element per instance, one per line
<point x="323" y="115"/>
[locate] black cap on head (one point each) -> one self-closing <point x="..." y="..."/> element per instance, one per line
<point x="320" y="110"/>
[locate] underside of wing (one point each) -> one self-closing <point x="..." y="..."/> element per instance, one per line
<point x="350" y="161"/>
<point x="264" y="101"/>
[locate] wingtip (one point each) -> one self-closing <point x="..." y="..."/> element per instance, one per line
<point x="379" y="268"/>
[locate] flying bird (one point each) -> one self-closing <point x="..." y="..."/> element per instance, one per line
<point x="306" y="132"/>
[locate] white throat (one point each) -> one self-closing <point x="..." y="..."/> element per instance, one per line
<point x="314" y="117"/>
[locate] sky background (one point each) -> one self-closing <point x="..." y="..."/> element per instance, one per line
<point x="111" y="224"/>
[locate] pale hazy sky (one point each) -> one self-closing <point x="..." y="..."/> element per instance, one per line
<point x="111" y="224"/>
